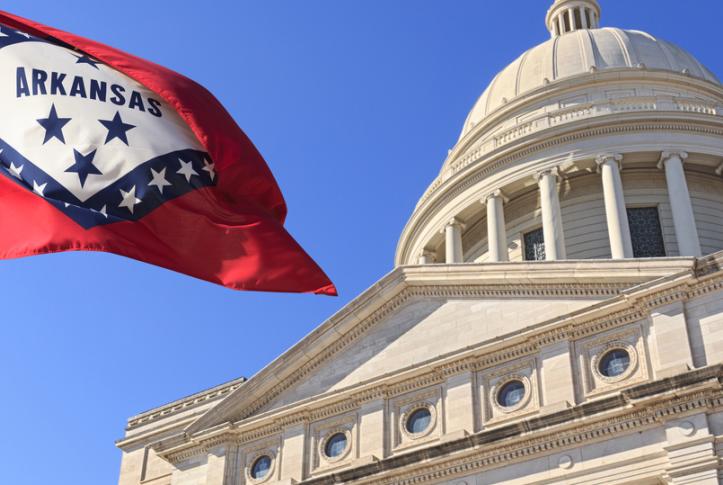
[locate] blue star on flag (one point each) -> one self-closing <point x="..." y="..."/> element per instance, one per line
<point x="117" y="129"/>
<point x="53" y="125"/>
<point x="83" y="166"/>
<point x="86" y="60"/>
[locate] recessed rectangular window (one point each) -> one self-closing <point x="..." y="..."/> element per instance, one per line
<point x="534" y="242"/>
<point x="645" y="232"/>
<point x="587" y="17"/>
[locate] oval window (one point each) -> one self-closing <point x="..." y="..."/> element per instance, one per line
<point x="419" y="420"/>
<point x="511" y="394"/>
<point x="335" y="445"/>
<point x="261" y="467"/>
<point x="614" y="363"/>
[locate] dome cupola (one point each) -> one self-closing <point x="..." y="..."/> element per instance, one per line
<point x="570" y="15"/>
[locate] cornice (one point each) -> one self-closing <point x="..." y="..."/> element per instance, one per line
<point x="398" y="287"/>
<point x="477" y="169"/>
<point x="630" y="306"/>
<point x="164" y="413"/>
<point x="632" y="410"/>
<point x="436" y="291"/>
<point x="563" y="87"/>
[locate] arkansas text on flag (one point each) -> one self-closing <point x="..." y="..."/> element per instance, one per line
<point x="100" y="150"/>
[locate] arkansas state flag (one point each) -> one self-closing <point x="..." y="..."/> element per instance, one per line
<point x="103" y="151"/>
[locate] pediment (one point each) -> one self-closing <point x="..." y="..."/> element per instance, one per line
<point x="416" y="315"/>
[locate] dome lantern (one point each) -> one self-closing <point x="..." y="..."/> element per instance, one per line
<point x="570" y="15"/>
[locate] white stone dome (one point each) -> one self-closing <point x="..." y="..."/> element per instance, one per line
<point x="547" y="121"/>
<point x="580" y="53"/>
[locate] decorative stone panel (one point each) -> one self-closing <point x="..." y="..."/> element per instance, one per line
<point x="322" y="431"/>
<point x="402" y="407"/>
<point x="253" y="451"/>
<point x="590" y="351"/>
<point x="492" y="381"/>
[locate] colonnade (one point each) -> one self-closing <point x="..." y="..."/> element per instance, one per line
<point x="609" y="166"/>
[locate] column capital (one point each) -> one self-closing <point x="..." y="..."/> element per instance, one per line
<point x="555" y="171"/>
<point x="453" y="222"/>
<point x="609" y="157"/>
<point x="428" y="255"/>
<point x="667" y="155"/>
<point x="499" y="194"/>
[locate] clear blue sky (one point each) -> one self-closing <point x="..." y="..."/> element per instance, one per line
<point x="354" y="105"/>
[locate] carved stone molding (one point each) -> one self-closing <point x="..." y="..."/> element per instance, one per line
<point x="490" y="163"/>
<point x="521" y="441"/>
<point x="579" y="325"/>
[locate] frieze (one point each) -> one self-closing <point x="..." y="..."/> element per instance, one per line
<point x="488" y="169"/>
<point x="469" y="291"/>
<point x="182" y="405"/>
<point x="527" y="445"/>
<point x="576" y="327"/>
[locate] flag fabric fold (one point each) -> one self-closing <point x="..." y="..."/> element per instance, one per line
<point x="104" y="151"/>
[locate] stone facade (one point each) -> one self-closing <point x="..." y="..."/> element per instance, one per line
<point x="469" y="365"/>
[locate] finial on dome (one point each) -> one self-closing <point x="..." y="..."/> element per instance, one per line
<point x="570" y="15"/>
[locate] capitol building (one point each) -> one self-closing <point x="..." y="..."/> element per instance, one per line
<point x="555" y="314"/>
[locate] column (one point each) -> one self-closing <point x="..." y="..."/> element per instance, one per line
<point x="371" y="429"/>
<point x="669" y="330"/>
<point x="683" y="220"/>
<point x="551" y="215"/>
<point x="459" y="405"/>
<point x="426" y="257"/>
<point x="583" y="18"/>
<point x="557" y="376"/>
<point x="453" y="240"/>
<point x="621" y="245"/>
<point x="292" y="453"/>
<point x="571" y="15"/>
<point x="223" y="467"/>
<point x="691" y="451"/>
<point x="496" y="233"/>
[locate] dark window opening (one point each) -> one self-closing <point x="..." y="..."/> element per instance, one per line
<point x="566" y="19"/>
<point x="534" y="245"/>
<point x="589" y="20"/>
<point x="578" y="19"/>
<point x="645" y="232"/>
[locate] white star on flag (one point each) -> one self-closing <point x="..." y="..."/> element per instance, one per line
<point x="39" y="189"/>
<point x="129" y="199"/>
<point x="2" y="34"/>
<point x="15" y="171"/>
<point x="159" y="179"/>
<point x="24" y="34"/>
<point x="101" y="211"/>
<point x="210" y="168"/>
<point x="187" y="170"/>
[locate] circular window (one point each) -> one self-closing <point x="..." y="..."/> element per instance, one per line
<point x="614" y="363"/>
<point x="335" y="445"/>
<point x="511" y="394"/>
<point x="419" y="421"/>
<point x="261" y="467"/>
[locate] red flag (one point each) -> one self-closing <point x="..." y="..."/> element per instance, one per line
<point x="110" y="152"/>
